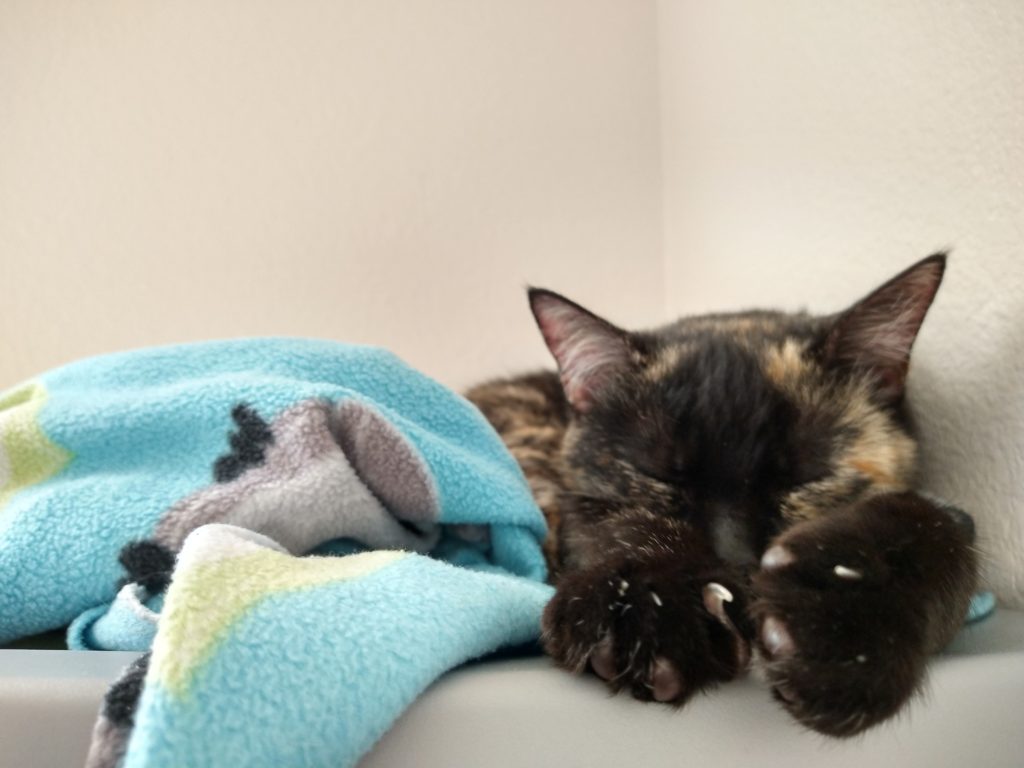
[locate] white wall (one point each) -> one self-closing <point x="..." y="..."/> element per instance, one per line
<point x="813" y="149"/>
<point x="382" y="171"/>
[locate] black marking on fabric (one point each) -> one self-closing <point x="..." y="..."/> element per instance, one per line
<point x="148" y="563"/>
<point x="123" y="696"/>
<point x="248" y="445"/>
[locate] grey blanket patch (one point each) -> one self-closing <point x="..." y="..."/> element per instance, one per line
<point x="328" y="472"/>
<point x="386" y="462"/>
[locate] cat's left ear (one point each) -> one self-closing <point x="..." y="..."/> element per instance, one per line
<point x="876" y="334"/>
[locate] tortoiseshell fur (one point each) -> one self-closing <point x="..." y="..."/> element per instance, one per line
<point x="702" y="483"/>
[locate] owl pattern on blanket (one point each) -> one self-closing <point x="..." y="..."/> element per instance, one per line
<point x="319" y="471"/>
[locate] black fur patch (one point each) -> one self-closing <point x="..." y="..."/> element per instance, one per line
<point x="248" y="445"/>
<point x="148" y="563"/>
<point x="123" y="696"/>
<point x="716" y="438"/>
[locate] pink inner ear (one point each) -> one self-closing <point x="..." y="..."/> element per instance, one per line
<point x="878" y="332"/>
<point x="881" y="337"/>
<point x="589" y="351"/>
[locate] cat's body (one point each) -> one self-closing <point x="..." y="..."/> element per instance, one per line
<point x="734" y="483"/>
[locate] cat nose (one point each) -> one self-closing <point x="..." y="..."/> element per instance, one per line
<point x="731" y="534"/>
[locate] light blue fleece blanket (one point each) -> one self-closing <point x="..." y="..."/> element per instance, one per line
<point x="214" y="468"/>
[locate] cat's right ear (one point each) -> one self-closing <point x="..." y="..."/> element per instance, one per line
<point x="589" y="350"/>
<point x="876" y="334"/>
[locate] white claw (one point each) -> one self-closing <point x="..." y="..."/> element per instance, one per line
<point x="719" y="591"/>
<point x="715" y="598"/>
<point x="850" y="574"/>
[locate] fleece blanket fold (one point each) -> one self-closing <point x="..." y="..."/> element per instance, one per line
<point x="269" y="660"/>
<point x="216" y="468"/>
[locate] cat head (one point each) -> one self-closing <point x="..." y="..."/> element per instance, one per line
<point x="769" y="416"/>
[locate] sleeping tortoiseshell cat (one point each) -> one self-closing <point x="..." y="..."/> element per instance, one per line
<point x="738" y="484"/>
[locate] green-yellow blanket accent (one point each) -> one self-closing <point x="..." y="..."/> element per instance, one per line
<point x="239" y="582"/>
<point x="27" y="456"/>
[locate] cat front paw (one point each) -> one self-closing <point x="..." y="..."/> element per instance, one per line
<point x="849" y="606"/>
<point x="652" y="628"/>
